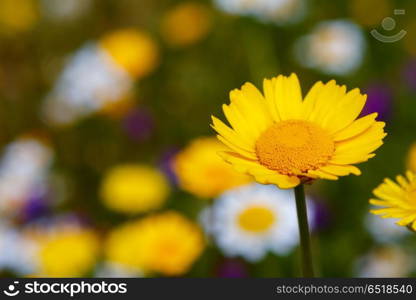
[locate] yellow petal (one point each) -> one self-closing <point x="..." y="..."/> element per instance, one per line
<point x="344" y="111"/>
<point x="239" y="124"/>
<point x="341" y="170"/>
<point x="324" y="102"/>
<point x="393" y="186"/>
<point x="230" y="135"/>
<point x="252" y="106"/>
<point x="390" y="194"/>
<point x="350" y="158"/>
<point x="270" y="98"/>
<point x="240" y="163"/>
<point x="288" y="97"/>
<point x="406" y="220"/>
<point x="308" y="104"/>
<point x="322" y="174"/>
<point x="259" y="172"/>
<point x="402" y="181"/>
<point x="240" y="151"/>
<point x="378" y="202"/>
<point x="357" y="127"/>
<point x="363" y="144"/>
<point x="282" y="181"/>
<point x="410" y="175"/>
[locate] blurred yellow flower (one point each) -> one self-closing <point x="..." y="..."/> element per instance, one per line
<point x="70" y="252"/>
<point x="134" y="189"/>
<point x="186" y="24"/>
<point x="282" y="139"/>
<point x="411" y="158"/>
<point x="398" y="200"/>
<point x="123" y="244"/>
<point x="17" y="16"/>
<point x="133" y="50"/>
<point x="201" y="171"/>
<point x="167" y="243"/>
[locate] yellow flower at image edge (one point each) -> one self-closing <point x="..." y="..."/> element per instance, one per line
<point x="202" y="172"/>
<point x="411" y="158"/>
<point x="70" y="253"/>
<point x="397" y="200"/>
<point x="281" y="138"/>
<point x="134" y="189"/>
<point x="167" y="243"/>
<point x="186" y="24"/>
<point x="18" y="16"/>
<point x="132" y="50"/>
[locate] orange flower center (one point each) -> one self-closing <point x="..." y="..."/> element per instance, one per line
<point x="293" y="147"/>
<point x="256" y="219"/>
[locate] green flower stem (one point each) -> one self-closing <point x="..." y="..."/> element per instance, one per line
<point x="305" y="243"/>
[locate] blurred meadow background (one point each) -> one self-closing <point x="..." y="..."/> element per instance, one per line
<point x="108" y="164"/>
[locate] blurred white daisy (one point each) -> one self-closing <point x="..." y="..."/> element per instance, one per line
<point x="24" y="168"/>
<point x="385" y="262"/>
<point x="17" y="251"/>
<point x="251" y="220"/>
<point x="90" y="81"/>
<point x="385" y="230"/>
<point x="277" y="11"/>
<point x="100" y="76"/>
<point x="65" y="10"/>
<point x="114" y="270"/>
<point x="333" y="47"/>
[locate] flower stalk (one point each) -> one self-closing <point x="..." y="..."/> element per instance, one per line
<point x="305" y="244"/>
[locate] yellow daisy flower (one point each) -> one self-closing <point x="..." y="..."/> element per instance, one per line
<point x="202" y="172"/>
<point x="398" y="200"/>
<point x="134" y="188"/>
<point x="166" y="243"/>
<point x="135" y="51"/>
<point x="284" y="140"/>
<point x="186" y="24"/>
<point x="18" y="16"/>
<point x="68" y="253"/>
<point x="411" y="158"/>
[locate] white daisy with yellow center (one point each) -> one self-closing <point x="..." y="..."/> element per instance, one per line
<point x="386" y="261"/>
<point x="24" y="169"/>
<point x="251" y="220"/>
<point x="99" y="77"/>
